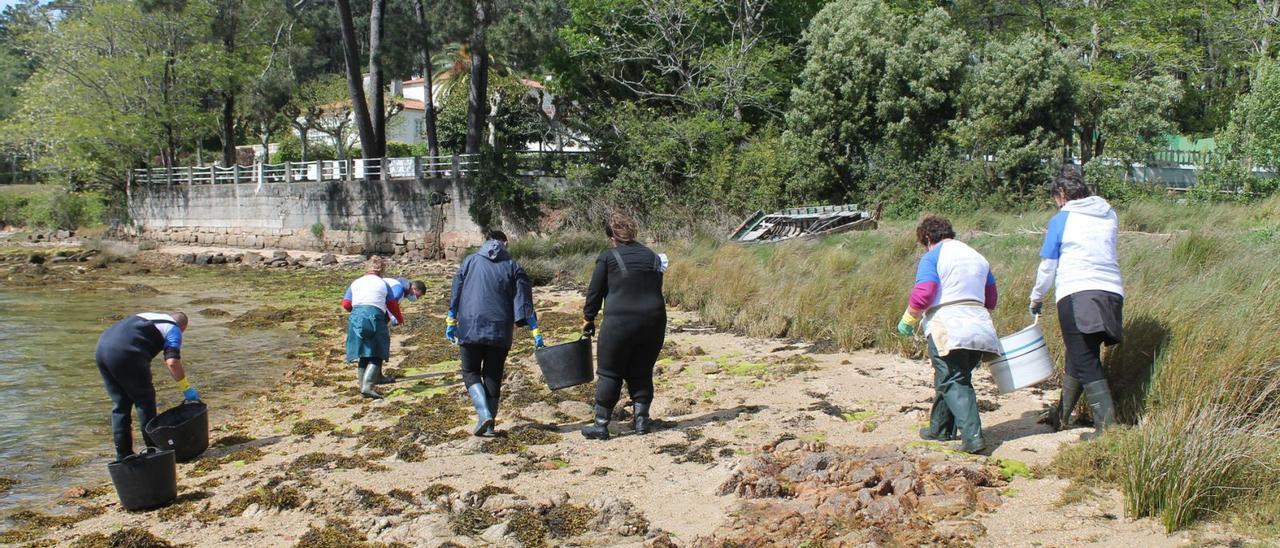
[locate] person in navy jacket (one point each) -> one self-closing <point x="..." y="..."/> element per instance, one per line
<point x="1079" y="263"/>
<point x="123" y="354"/>
<point x="491" y="295"/>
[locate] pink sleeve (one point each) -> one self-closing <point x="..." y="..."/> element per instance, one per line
<point x="922" y="295"/>
<point x="991" y="296"/>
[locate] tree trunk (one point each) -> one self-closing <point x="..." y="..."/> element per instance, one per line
<point x="376" y="99"/>
<point x="302" y="133"/>
<point x="228" y="123"/>
<point x="355" y="84"/>
<point x="477" y="105"/>
<point x="266" y="147"/>
<point x="429" y="116"/>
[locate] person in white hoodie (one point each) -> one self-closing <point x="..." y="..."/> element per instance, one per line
<point x="1079" y="263"/>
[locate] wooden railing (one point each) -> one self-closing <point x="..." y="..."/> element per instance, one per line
<point x="416" y="167"/>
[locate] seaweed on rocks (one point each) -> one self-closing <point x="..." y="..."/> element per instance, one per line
<point x="231" y="439"/>
<point x="7" y="484"/>
<point x="132" y="537"/>
<point x="214" y="313"/>
<point x="317" y="461"/>
<point x="471" y="521"/>
<point x="569" y="520"/>
<point x="266" y="316"/>
<point x="281" y="497"/>
<point x="437" y="490"/>
<point x="311" y="427"/>
<point x="210" y="464"/>
<point x="529" y="528"/>
<point x="336" y="533"/>
<point x="429" y="421"/>
<point x="30" y="525"/>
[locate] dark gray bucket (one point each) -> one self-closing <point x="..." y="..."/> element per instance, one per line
<point x="183" y="429"/>
<point x="565" y="365"/>
<point x="146" y="480"/>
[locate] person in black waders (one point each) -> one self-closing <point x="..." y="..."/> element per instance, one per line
<point x="629" y="276"/>
<point x="491" y="293"/>
<point x="124" y="355"/>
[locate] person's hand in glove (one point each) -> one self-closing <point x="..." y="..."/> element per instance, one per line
<point x="588" y="328"/>
<point x="189" y="393"/>
<point x="451" y="327"/>
<point x="1035" y="308"/>
<point x="907" y="325"/>
<point x="537" y="339"/>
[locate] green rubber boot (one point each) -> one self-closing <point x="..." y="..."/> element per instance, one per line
<point x="1060" y="416"/>
<point x="1101" y="406"/>
<point x="379" y="378"/>
<point x="963" y="403"/>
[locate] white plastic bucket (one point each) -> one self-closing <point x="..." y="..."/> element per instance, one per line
<point x="1024" y="360"/>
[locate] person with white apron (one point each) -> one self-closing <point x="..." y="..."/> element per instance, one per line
<point x="1080" y="264"/>
<point x="954" y="294"/>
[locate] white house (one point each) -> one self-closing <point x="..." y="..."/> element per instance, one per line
<point x="408" y="123"/>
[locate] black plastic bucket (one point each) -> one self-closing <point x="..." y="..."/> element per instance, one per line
<point x="565" y="365"/>
<point x="146" y="480"/>
<point x="183" y="429"/>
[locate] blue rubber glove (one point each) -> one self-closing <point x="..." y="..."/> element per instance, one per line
<point x="537" y="341"/>
<point x="190" y="394"/>
<point x="904" y="329"/>
<point x="451" y="333"/>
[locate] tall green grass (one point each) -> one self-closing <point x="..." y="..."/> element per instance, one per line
<point x="1195" y="372"/>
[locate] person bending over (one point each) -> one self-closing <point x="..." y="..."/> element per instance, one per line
<point x="124" y="355"/>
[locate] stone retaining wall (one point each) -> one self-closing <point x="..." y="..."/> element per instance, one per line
<point x="359" y="217"/>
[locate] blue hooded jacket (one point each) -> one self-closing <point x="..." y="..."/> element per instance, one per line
<point x="491" y="294"/>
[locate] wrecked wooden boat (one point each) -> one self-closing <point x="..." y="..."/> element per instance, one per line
<point x="805" y="223"/>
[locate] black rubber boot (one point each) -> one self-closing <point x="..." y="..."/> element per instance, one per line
<point x="1101" y="406"/>
<point x="484" y="417"/>
<point x="1060" y="416"/>
<point x="379" y="378"/>
<point x="366" y="383"/>
<point x="640" y="422"/>
<point x="600" y="429"/>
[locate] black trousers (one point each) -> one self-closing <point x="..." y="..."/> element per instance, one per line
<point x="482" y="363"/>
<point x="1084" y="350"/>
<point x="627" y="352"/>
<point x="127" y="377"/>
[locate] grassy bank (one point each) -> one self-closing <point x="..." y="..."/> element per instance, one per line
<point x="1195" y="375"/>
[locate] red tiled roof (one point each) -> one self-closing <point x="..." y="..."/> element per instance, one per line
<point x="413" y="104"/>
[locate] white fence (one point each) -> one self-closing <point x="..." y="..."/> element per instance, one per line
<point x="416" y="167"/>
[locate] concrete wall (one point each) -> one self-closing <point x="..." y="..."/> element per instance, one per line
<point x="389" y="217"/>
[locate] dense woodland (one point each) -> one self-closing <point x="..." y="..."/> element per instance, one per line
<point x="689" y="104"/>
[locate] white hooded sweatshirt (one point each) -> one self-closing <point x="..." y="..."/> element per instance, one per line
<point x="1079" y="252"/>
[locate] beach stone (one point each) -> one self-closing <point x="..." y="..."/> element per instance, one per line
<point x="496" y="534"/>
<point x="35" y="258"/>
<point x="252" y="259"/>
<point x="218" y="259"/>
<point x="943" y="506"/>
<point x="884" y="510"/>
<point x="960" y="530"/>
<point x="187" y="258"/>
<point x="328" y="259"/>
<point x="279" y="255"/>
<point x="204" y="259"/>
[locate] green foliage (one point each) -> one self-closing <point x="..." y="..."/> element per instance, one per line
<point x="875" y="77"/>
<point x="54" y="209"/>
<point x="290" y="150"/>
<point x="1257" y="117"/>
<point x="1017" y="108"/>
<point x="317" y="230"/>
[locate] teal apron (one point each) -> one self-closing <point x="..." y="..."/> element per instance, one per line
<point x="367" y="334"/>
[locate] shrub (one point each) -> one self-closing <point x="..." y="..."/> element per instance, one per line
<point x="317" y="230"/>
<point x="52" y="210"/>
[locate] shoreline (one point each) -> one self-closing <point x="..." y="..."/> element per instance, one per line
<point x="314" y="461"/>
